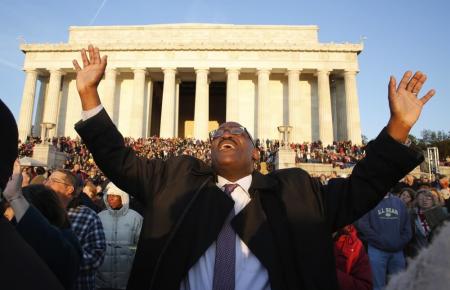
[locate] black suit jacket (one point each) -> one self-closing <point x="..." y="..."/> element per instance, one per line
<point x="287" y="224"/>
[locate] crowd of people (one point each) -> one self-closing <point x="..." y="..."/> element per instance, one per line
<point x="204" y="217"/>
<point x="87" y="238"/>
<point x="339" y="154"/>
<point x="367" y="252"/>
<point x="400" y="227"/>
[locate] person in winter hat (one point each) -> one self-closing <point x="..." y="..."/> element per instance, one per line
<point x="122" y="227"/>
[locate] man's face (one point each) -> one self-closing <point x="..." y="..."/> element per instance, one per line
<point x="233" y="151"/>
<point x="57" y="181"/>
<point x="114" y="201"/>
<point x="76" y="167"/>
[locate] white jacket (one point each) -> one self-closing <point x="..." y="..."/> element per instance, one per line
<point x="122" y="228"/>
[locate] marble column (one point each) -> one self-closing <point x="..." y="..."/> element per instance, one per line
<point x="110" y="91"/>
<point x="177" y="105"/>
<point x="52" y="102"/>
<point x="232" y="94"/>
<point x="325" y="115"/>
<point x="263" y="93"/>
<point x="340" y="108"/>
<point x="137" y="125"/>
<point x="167" y="128"/>
<point x="26" y="108"/>
<point x="352" y="108"/>
<point x="201" y="112"/>
<point x="293" y="95"/>
<point x="148" y="117"/>
<point x="40" y="107"/>
<point x="334" y="109"/>
<point x="305" y="131"/>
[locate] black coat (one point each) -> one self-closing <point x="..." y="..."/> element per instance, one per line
<point x="287" y="224"/>
<point x="58" y="248"/>
<point x="20" y="266"/>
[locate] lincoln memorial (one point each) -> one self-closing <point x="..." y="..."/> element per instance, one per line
<point x="183" y="80"/>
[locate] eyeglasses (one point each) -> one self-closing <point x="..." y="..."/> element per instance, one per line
<point x="213" y="135"/>
<point x="425" y="197"/>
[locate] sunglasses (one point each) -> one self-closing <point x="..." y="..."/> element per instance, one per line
<point x="213" y="135"/>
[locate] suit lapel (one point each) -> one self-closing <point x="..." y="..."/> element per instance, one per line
<point x="263" y="228"/>
<point x="254" y="227"/>
<point x="204" y="221"/>
<point x="265" y="235"/>
<point x="200" y="217"/>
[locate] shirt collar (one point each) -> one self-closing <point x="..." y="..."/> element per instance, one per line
<point x="244" y="182"/>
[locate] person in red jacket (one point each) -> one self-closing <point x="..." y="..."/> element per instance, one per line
<point x="352" y="263"/>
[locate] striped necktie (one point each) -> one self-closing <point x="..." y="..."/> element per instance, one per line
<point x="224" y="266"/>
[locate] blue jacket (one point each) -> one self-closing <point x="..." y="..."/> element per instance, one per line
<point x="387" y="226"/>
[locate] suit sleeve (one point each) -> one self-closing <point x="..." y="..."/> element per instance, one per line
<point x="118" y="162"/>
<point x="386" y="162"/>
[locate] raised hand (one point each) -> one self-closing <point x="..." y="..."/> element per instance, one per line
<point x="13" y="193"/>
<point x="13" y="189"/>
<point x="89" y="76"/>
<point x="404" y="104"/>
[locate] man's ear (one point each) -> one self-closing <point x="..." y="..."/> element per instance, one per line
<point x="255" y="154"/>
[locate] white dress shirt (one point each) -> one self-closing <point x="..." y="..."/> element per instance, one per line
<point x="250" y="273"/>
<point x="91" y="113"/>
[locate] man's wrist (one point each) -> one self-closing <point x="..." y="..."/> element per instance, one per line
<point x="89" y="98"/>
<point x="91" y="113"/>
<point x="398" y="131"/>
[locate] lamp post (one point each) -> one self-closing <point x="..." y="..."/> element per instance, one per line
<point x="45" y="128"/>
<point x="285" y="135"/>
<point x="285" y="156"/>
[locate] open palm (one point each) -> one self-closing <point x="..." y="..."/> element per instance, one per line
<point x="93" y="69"/>
<point x="404" y="104"/>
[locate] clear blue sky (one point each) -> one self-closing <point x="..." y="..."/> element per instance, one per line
<point x="400" y="35"/>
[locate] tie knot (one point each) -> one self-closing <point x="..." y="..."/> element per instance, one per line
<point x="229" y="187"/>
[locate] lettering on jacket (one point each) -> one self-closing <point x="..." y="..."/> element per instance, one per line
<point x="388" y="213"/>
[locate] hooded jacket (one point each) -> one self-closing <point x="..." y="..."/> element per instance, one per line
<point x="387" y="226"/>
<point x="122" y="228"/>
